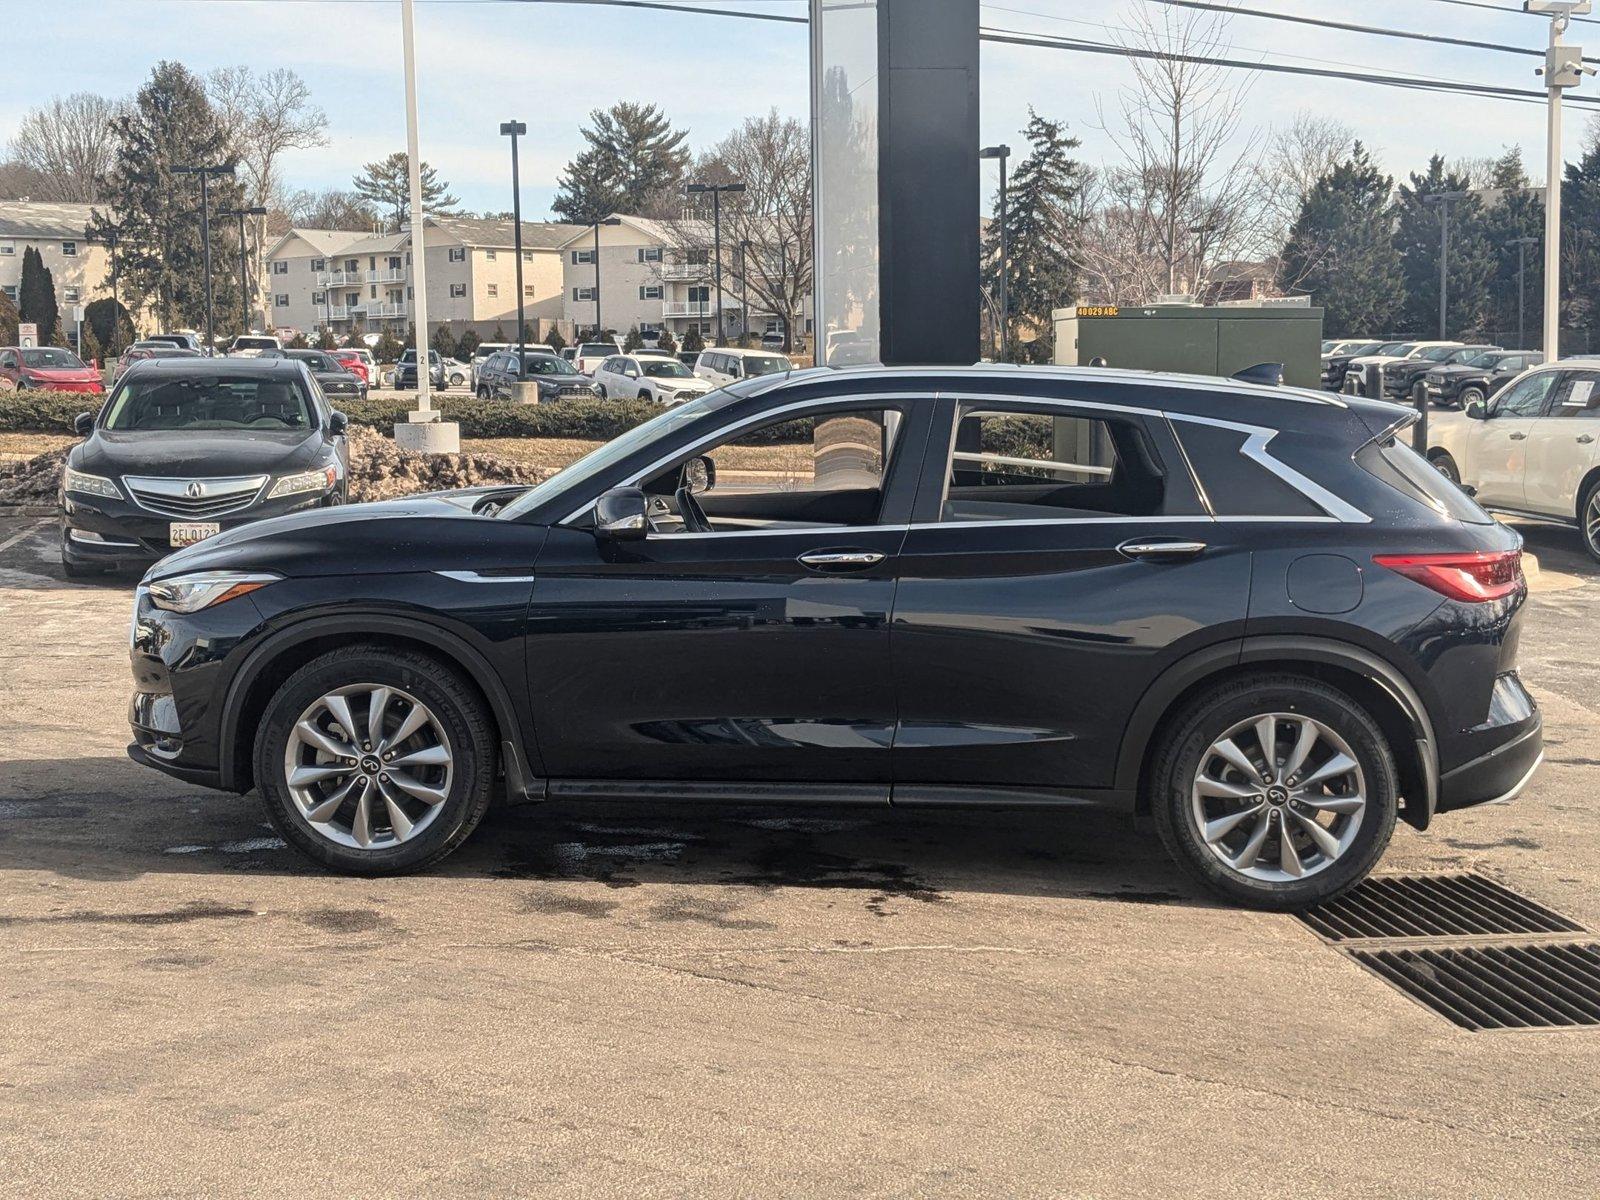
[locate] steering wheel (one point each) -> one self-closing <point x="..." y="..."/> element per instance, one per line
<point x="694" y="517"/>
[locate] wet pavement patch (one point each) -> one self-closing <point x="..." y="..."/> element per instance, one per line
<point x="345" y="920"/>
<point x="199" y="911"/>
<point x="558" y="904"/>
<point x="716" y="913"/>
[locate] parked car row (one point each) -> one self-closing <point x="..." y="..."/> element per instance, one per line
<point x="1446" y="368"/>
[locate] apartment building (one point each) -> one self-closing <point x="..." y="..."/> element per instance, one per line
<point x="81" y="268"/>
<point x="648" y="278"/>
<point x="340" y="280"/>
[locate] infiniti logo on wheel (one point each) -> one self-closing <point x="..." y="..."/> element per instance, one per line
<point x="195" y="490"/>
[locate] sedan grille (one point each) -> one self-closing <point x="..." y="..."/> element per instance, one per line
<point x="195" y="499"/>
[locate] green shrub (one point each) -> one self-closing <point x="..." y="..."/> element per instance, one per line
<point x="31" y="410"/>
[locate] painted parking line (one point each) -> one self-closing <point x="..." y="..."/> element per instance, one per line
<point x="23" y="534"/>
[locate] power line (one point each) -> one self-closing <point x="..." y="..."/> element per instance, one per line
<point x="1503" y="11"/>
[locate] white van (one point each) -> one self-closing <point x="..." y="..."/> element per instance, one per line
<point x="725" y="364"/>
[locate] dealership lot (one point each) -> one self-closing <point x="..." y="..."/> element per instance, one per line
<point x="614" y="1000"/>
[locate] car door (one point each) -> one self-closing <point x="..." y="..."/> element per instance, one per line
<point x="757" y="650"/>
<point x="1497" y="447"/>
<point x="1059" y="559"/>
<point x="1562" y="446"/>
<point x="9" y="370"/>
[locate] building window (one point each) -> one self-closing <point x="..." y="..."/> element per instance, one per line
<point x="583" y="293"/>
<point x="527" y="256"/>
<point x="698" y="258"/>
<point x="280" y="267"/>
<point x="394" y="262"/>
<point x="319" y="297"/>
<point x="649" y="253"/>
<point x="70" y="295"/>
<point x="458" y="254"/>
<point x="10" y="289"/>
<point x="582" y="256"/>
<point x="650" y="291"/>
<point x="281" y="299"/>
<point x="373" y="290"/>
<point x="527" y="291"/>
<point x="489" y="255"/>
<point x="70" y="249"/>
<point x="319" y="264"/>
<point x="458" y="291"/>
<point x="493" y="290"/>
<point x="8" y="247"/>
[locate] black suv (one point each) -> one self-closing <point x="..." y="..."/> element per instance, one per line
<point x="186" y="448"/>
<point x="1250" y="612"/>
<point x="1400" y="377"/>
<point x="1474" y="380"/>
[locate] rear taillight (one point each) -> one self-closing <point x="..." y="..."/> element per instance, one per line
<point x="1473" y="577"/>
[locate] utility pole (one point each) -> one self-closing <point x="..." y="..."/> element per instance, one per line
<point x="1002" y="153"/>
<point x="744" y="286"/>
<point x="419" y="232"/>
<point x="716" y="190"/>
<point x="512" y="129"/>
<point x="1444" y="200"/>
<point x="1522" y="245"/>
<point x="244" y="261"/>
<point x="206" y="171"/>
<point x="1563" y="68"/>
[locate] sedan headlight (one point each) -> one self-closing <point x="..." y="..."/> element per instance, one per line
<point x="306" y="481"/>
<point x="90" y="485"/>
<point x="191" y="593"/>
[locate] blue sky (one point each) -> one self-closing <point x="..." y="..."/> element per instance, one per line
<point x="482" y="62"/>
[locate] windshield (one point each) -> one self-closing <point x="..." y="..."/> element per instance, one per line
<point x="614" y="451"/>
<point x="49" y="358"/>
<point x="765" y="364"/>
<point x="208" y="402"/>
<point x="255" y="343"/>
<point x="317" y="360"/>
<point x="1487" y="360"/>
<point x="664" y="368"/>
<point x="1439" y="353"/>
<point x="546" y="364"/>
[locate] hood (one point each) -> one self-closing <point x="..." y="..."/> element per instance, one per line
<point x="63" y="374"/>
<point x="204" y="453"/>
<point x="1460" y="370"/>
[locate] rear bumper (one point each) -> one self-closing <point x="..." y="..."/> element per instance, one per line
<point x="1499" y="775"/>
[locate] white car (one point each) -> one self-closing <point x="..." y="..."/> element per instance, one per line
<point x="726" y="364"/>
<point x="589" y="355"/>
<point x="1533" y="449"/>
<point x="250" y="345"/>
<point x="1394" y="352"/>
<point x="657" y="377"/>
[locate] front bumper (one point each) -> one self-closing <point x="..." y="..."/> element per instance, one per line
<point x="136" y="537"/>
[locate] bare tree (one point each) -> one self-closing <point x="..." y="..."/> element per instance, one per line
<point x="766" y="230"/>
<point x="70" y="145"/>
<point x="1299" y="154"/>
<point x="331" y="208"/>
<point x="264" y="116"/>
<point x="1182" y="195"/>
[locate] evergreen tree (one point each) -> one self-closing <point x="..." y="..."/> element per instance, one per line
<point x="634" y="341"/>
<point x="388" y="348"/>
<point x="499" y="335"/>
<point x="154" y="214"/>
<point x="355" y="339"/>
<point x="326" y="340"/>
<point x="113" y="327"/>
<point x="1341" y="249"/>
<point x="1417" y="237"/>
<point x="530" y="331"/>
<point x="89" y="348"/>
<point x="443" y="341"/>
<point x="1513" y="210"/>
<point x="297" y="342"/>
<point x="1580" y="238"/>
<point x="468" y="343"/>
<point x="665" y="342"/>
<point x="693" y="343"/>
<point x="8" y="321"/>
<point x="385" y="185"/>
<point x="634" y="163"/>
<point x="555" y="341"/>
<point x="36" y="296"/>
<point x="1041" y="226"/>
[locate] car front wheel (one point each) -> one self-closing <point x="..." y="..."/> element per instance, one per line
<point x="1446" y="466"/>
<point x="1470" y="395"/>
<point x="1275" y="791"/>
<point x="1589" y="519"/>
<point x="375" y="761"/>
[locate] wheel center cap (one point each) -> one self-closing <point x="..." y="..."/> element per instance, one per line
<point x="1277" y="795"/>
<point x="370" y="764"/>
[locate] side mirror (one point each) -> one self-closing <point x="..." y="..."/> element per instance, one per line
<point x="699" y="474"/>
<point x="1476" y="410"/>
<point x="337" y="422"/>
<point x="622" y="515"/>
<point x="83" y="424"/>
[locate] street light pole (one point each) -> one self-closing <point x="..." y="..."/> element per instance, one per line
<point x="744" y="286"/>
<point x="716" y="190"/>
<point x="1522" y="245"/>
<point x="1443" y="200"/>
<point x="206" y="171"/>
<point x="244" y="261"/>
<point x="1002" y="153"/>
<point x="419" y="220"/>
<point x="512" y="129"/>
<point x="599" y="329"/>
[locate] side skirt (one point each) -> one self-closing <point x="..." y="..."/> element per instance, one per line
<point x="905" y="795"/>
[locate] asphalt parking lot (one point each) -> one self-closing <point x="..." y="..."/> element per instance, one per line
<point x="615" y="1001"/>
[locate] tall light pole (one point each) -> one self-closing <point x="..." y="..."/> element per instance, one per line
<point x="1002" y="153"/>
<point x="206" y="171"/>
<point x="419" y="230"/>
<point x="1563" y="68"/>
<point x="1444" y="200"/>
<point x="599" y="329"/>
<point x="1522" y="245"/>
<point x="744" y="286"/>
<point x="244" y="261"/>
<point x="716" y="190"/>
<point x="513" y="129"/>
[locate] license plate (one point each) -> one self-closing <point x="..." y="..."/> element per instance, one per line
<point x="187" y="533"/>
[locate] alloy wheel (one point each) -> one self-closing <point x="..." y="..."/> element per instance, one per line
<point x="368" y="766"/>
<point x="1278" y="797"/>
<point x="1591" y="522"/>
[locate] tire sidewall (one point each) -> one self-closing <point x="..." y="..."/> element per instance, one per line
<point x="1468" y="395"/>
<point x="1583" y="519"/>
<point x="436" y="687"/>
<point x="1203" y="723"/>
<point x="1446" y="466"/>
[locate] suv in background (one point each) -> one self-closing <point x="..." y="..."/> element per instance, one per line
<point x="184" y="341"/>
<point x="589" y="355"/>
<point x="1400" y="377"/>
<point x="726" y="364"/>
<point x="649" y="376"/>
<point x="405" y="371"/>
<point x="248" y="345"/>
<point x="142" y="350"/>
<point x="1476" y="379"/>
<point x="557" y="378"/>
<point x="1336" y="363"/>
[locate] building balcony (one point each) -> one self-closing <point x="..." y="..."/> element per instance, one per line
<point x="333" y="312"/>
<point x="340" y="278"/>
<point x="688" y="308"/>
<point x="387" y="275"/>
<point x="386" y="311"/>
<point x="685" y="273"/>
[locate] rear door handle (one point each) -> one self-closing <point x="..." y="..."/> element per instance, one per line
<point x="1160" y="550"/>
<point x="841" y="560"/>
<point x="1585" y="439"/>
<point x="1518" y="437"/>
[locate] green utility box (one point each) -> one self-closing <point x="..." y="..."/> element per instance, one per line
<point x="1197" y="340"/>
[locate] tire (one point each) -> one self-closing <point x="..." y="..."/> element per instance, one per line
<point x="604" y="395"/>
<point x="1468" y="395"/>
<point x="1188" y="748"/>
<point x="1446" y="466"/>
<point x="646" y="396"/>
<point x="1589" y="520"/>
<point x="483" y="393"/>
<point x="455" y="721"/>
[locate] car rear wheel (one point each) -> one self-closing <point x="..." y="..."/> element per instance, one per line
<point x="1277" y="791"/>
<point x="375" y="761"/>
<point x="1446" y="466"/>
<point x="1589" y="519"/>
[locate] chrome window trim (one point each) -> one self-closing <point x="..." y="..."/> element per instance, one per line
<point x="480" y="577"/>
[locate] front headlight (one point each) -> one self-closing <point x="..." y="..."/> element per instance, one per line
<point x="191" y="593"/>
<point x="306" y="481"/>
<point x="90" y="485"/>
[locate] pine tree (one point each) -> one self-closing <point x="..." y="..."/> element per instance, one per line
<point x="1580" y="238"/>
<point x="1417" y="238"/>
<point x="90" y="350"/>
<point x="443" y="341"/>
<point x="36" y="296"/>
<point x="386" y="186"/>
<point x="634" y="341"/>
<point x="499" y="335"/>
<point x="1515" y="211"/>
<point x="113" y="327"/>
<point x="467" y="343"/>
<point x="8" y="321"/>
<point x="1341" y="250"/>
<point x="693" y="343"/>
<point x="388" y="348"/>
<point x="326" y="340"/>
<point x="1041" y="226"/>
<point x="355" y="340"/>
<point x="297" y="342"/>
<point x="555" y="341"/>
<point x="665" y="342"/>
<point x="634" y="162"/>
<point x="154" y="214"/>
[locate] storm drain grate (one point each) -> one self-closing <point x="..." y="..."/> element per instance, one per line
<point x="1547" y="986"/>
<point x="1431" y="906"/>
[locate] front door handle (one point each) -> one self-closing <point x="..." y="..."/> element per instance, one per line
<point x="1160" y="550"/>
<point x="841" y="560"/>
<point x="1518" y="437"/>
<point x="1585" y="439"/>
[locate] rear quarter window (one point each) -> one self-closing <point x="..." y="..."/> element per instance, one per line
<point x="1236" y="485"/>
<point x="1408" y="473"/>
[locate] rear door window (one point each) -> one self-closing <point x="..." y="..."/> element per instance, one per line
<point x="1577" y="396"/>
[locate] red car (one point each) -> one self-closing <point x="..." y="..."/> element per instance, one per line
<point x="46" y="367"/>
<point x="353" y="361"/>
